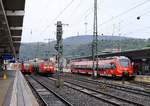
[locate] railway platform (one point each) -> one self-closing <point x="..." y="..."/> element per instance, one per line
<point x="14" y="90"/>
<point x="142" y="78"/>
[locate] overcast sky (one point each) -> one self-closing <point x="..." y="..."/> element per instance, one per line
<point x="115" y="17"/>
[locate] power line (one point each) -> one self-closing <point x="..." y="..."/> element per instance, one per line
<point x="143" y="14"/>
<point x="61" y="12"/>
<point x="89" y="10"/>
<point x="125" y="12"/>
<point x="76" y="8"/>
<point x="119" y="15"/>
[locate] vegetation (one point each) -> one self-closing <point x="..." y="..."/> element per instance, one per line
<point x="81" y="46"/>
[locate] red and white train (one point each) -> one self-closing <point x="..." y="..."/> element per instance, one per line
<point x="26" y="68"/>
<point x="46" y="68"/>
<point x="42" y="67"/>
<point x="118" y="66"/>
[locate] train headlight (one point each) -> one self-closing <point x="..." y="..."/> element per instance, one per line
<point x="44" y="67"/>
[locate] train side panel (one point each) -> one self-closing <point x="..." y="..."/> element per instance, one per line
<point x="113" y="67"/>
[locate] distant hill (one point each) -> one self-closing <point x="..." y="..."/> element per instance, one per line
<point x="83" y="39"/>
<point x="80" y="46"/>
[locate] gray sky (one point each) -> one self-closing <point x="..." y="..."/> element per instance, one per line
<point x="41" y="16"/>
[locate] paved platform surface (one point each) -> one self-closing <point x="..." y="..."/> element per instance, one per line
<point x="6" y="87"/>
<point x="142" y="78"/>
<point x="15" y="91"/>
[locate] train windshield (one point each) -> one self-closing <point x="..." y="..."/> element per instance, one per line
<point x="124" y="62"/>
<point x="27" y="66"/>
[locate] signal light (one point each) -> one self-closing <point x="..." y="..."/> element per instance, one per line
<point x="59" y="30"/>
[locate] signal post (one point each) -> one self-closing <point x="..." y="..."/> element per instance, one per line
<point x="59" y="49"/>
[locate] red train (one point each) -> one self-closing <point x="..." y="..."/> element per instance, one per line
<point x="26" y="68"/>
<point x="114" y="67"/>
<point x="46" y="68"/>
<point x="38" y="67"/>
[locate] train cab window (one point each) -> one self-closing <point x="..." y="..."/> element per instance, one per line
<point x="27" y="66"/>
<point x="124" y="62"/>
<point x="113" y="66"/>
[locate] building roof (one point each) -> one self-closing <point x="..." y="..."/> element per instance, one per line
<point x="132" y="54"/>
<point x="11" y="22"/>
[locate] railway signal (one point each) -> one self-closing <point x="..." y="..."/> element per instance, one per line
<point x="59" y="49"/>
<point x="59" y="31"/>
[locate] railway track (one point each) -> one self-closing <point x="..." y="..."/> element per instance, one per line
<point x="80" y="87"/>
<point x="122" y="87"/>
<point x="143" y="84"/>
<point x="105" y="102"/>
<point x="47" y="95"/>
<point x="99" y="94"/>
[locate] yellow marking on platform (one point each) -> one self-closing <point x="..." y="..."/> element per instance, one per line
<point x="4" y="76"/>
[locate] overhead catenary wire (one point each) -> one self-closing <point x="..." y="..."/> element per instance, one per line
<point x="46" y="28"/>
<point x="125" y="12"/>
<point x="60" y="13"/>
<point x="88" y="12"/>
<point x="144" y="14"/>
<point x="76" y="8"/>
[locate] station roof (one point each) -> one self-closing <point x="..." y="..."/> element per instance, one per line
<point x="11" y="22"/>
<point x="132" y="54"/>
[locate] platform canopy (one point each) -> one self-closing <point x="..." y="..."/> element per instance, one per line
<point x="132" y="54"/>
<point x="11" y="22"/>
<point x="139" y="54"/>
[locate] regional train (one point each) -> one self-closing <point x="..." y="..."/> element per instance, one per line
<point x="117" y="66"/>
<point x="45" y="68"/>
<point x="26" y="68"/>
<point x="42" y="67"/>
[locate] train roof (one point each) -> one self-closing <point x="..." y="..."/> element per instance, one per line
<point x="117" y="57"/>
<point x="108" y="58"/>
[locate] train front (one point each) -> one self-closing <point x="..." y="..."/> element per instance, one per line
<point x="125" y="67"/>
<point x="26" y="68"/>
<point x="47" y="68"/>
